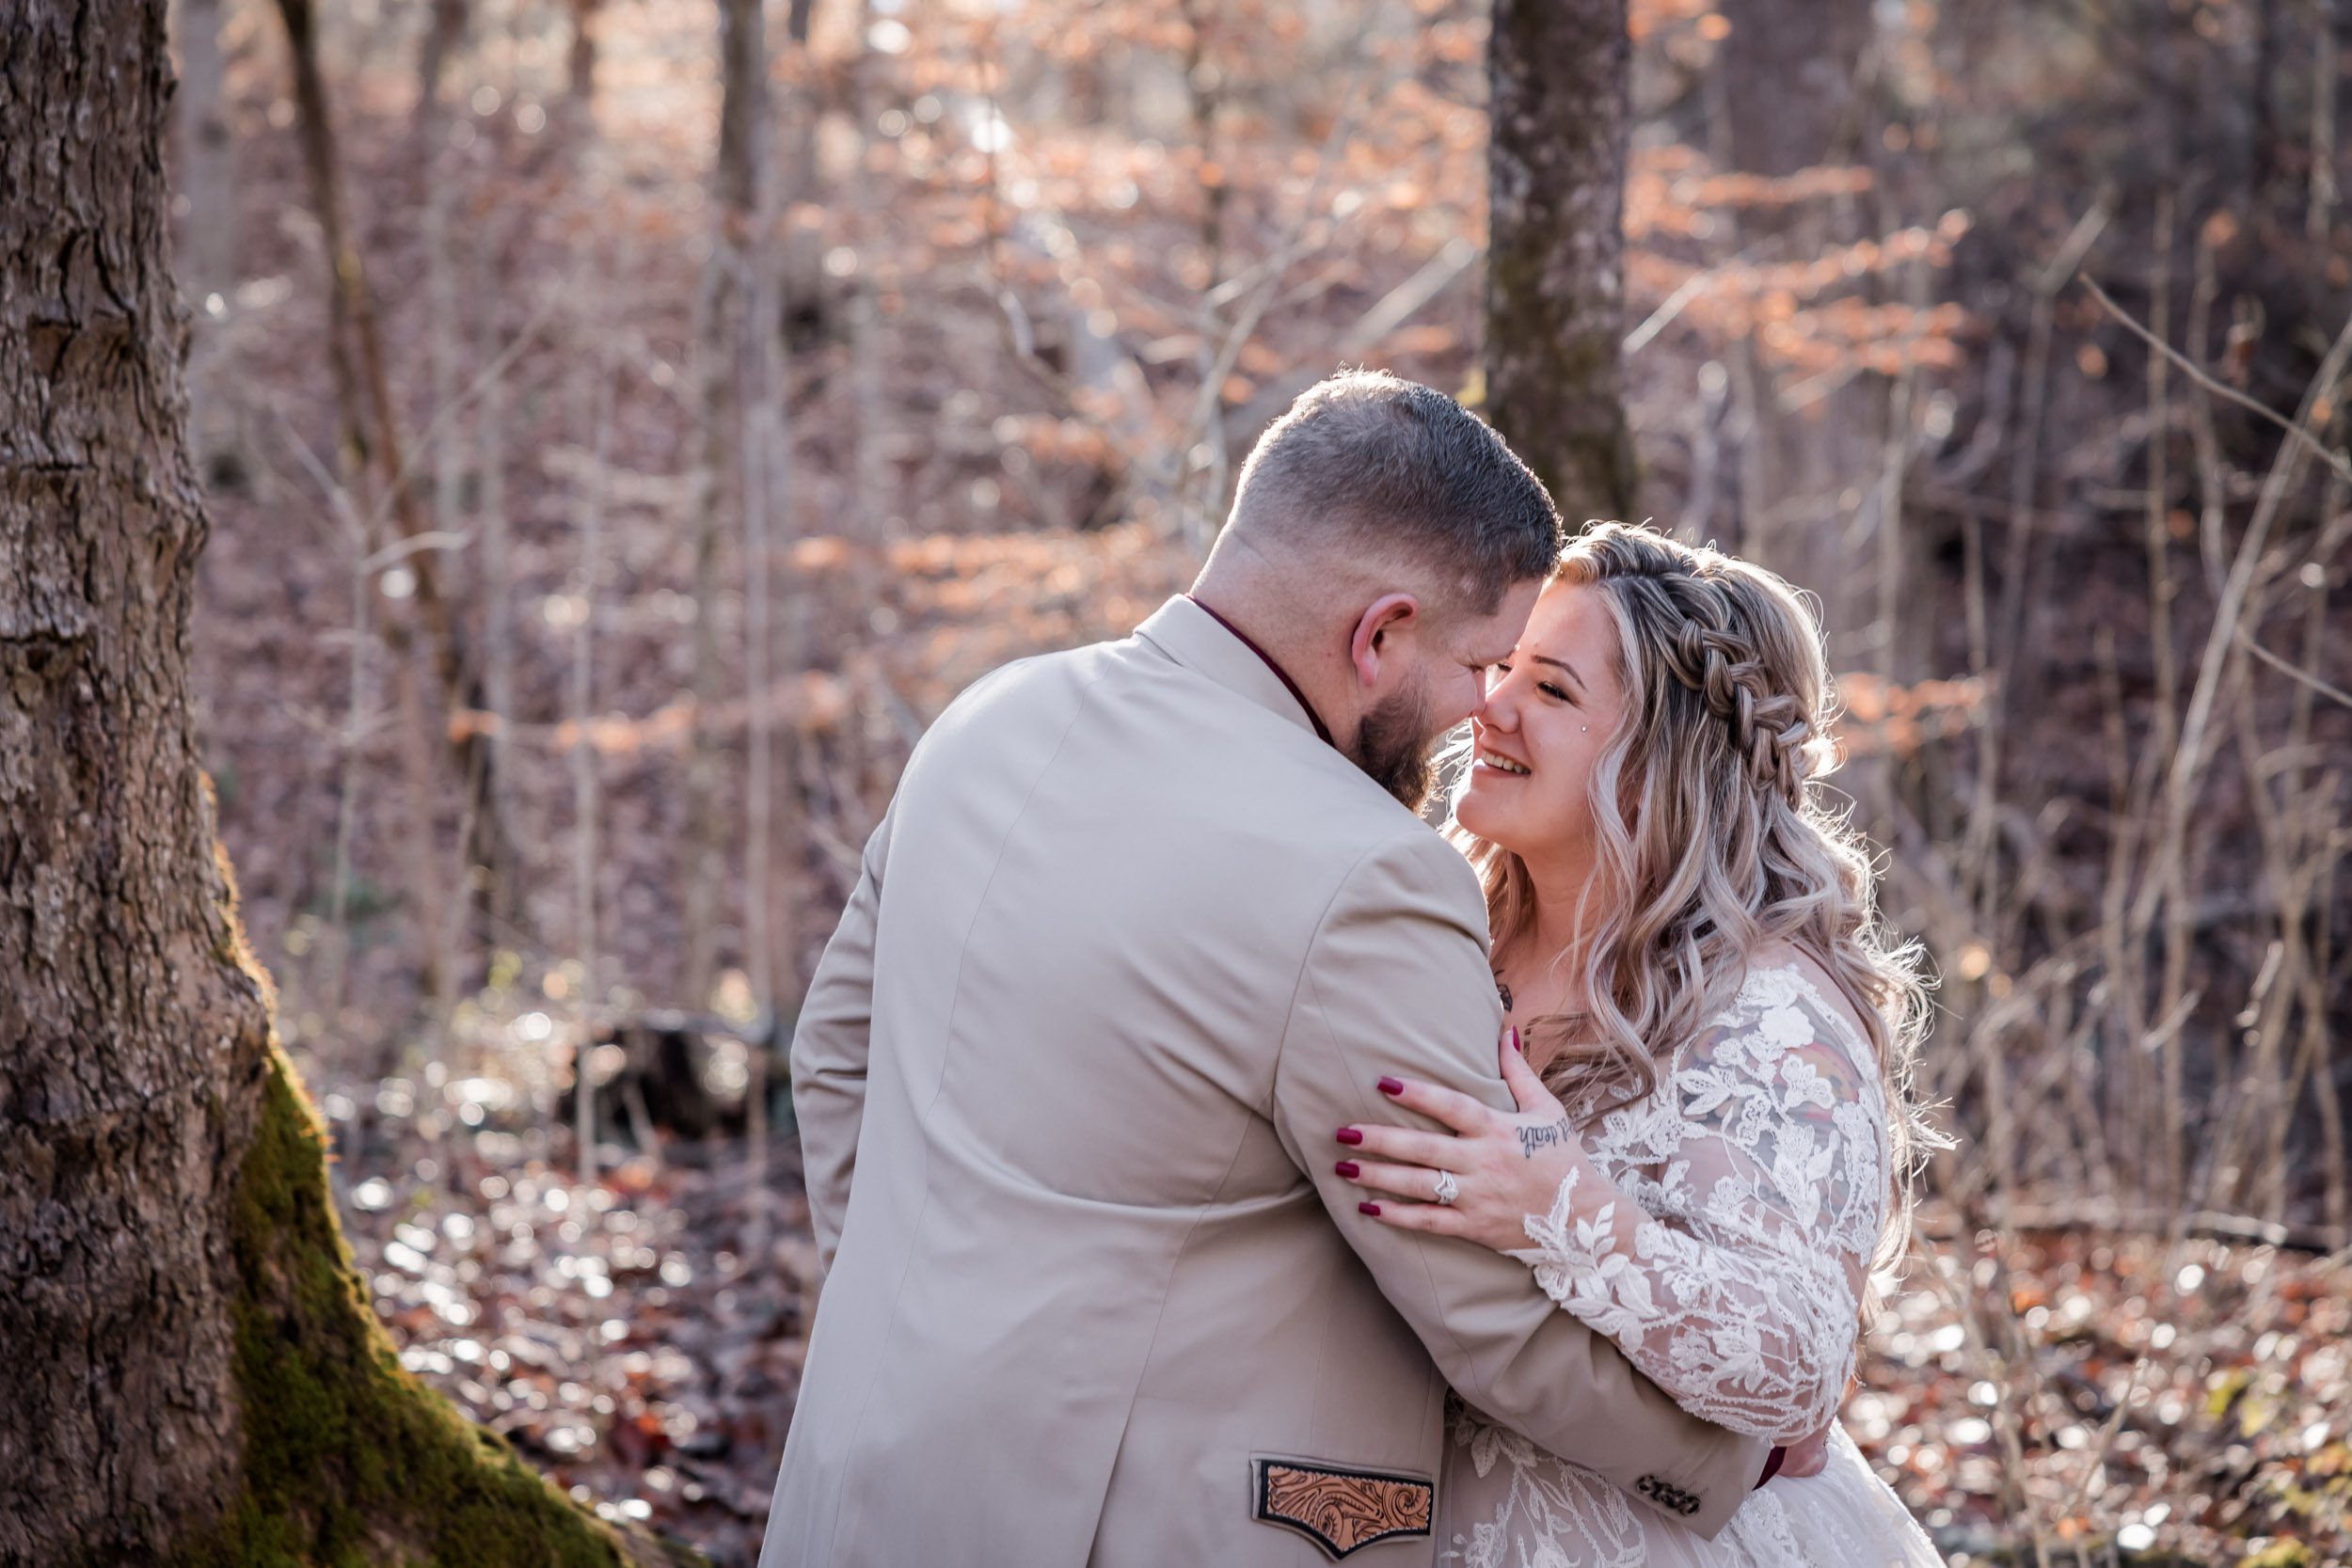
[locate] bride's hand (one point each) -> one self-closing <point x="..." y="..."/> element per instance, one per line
<point x="1504" y="1166"/>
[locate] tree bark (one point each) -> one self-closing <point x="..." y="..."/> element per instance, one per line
<point x="1560" y="73"/>
<point x="133" y="1046"/>
<point x="195" y="1372"/>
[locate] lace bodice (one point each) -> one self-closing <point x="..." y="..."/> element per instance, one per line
<point x="1758" y="1170"/>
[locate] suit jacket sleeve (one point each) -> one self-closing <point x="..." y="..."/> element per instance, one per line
<point x="1396" y="982"/>
<point x="829" y="1050"/>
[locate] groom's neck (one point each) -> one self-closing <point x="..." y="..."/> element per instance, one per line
<point x="1274" y="606"/>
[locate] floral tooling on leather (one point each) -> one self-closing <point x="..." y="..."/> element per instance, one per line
<point x="1342" y="1510"/>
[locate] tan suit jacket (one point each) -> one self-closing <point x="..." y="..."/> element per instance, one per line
<point x="1129" y="946"/>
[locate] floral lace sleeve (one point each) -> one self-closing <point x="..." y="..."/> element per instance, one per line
<point x="1727" y="1264"/>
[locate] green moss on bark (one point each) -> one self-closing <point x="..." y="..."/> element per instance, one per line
<point x="349" y="1460"/>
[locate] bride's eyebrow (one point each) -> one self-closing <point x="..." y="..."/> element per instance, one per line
<point x="1561" y="664"/>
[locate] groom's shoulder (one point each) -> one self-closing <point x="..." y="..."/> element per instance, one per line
<point x="1059" y="672"/>
<point x="1401" y="863"/>
<point x="1185" y="743"/>
<point x="1023" y="681"/>
<point x="1006" y="714"/>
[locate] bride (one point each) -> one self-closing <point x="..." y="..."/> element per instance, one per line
<point x="1713" y="1137"/>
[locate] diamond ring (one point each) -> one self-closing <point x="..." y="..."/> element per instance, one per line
<point x="1448" y="1189"/>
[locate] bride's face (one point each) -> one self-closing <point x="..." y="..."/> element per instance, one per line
<point x="1550" y="708"/>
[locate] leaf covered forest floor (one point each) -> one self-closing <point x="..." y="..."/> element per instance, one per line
<point x="2138" y="1401"/>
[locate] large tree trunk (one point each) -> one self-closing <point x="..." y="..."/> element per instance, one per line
<point x="1561" y="79"/>
<point x="195" y="1374"/>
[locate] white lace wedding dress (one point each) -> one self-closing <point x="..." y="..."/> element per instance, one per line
<point x="1761" y="1165"/>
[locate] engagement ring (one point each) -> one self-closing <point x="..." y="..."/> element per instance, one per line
<point x="1448" y="1189"/>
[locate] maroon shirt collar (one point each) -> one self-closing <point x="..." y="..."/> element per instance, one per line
<point x="1280" y="673"/>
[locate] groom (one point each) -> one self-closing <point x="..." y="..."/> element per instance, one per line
<point x="1144" y="926"/>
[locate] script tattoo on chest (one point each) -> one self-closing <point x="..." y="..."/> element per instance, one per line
<point x="1551" y="1136"/>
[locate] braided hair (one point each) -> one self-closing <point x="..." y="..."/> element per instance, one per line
<point x="1714" y="833"/>
<point x="1771" y="728"/>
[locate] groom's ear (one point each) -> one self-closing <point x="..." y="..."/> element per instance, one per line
<point x="1376" y="631"/>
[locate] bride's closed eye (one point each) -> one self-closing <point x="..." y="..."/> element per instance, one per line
<point x="1545" y="687"/>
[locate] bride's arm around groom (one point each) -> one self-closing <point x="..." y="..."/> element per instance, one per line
<point x="1396" y="986"/>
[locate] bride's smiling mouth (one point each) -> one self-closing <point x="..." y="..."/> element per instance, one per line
<point x="1495" y="762"/>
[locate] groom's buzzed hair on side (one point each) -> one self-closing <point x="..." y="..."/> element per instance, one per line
<point x="1388" y="469"/>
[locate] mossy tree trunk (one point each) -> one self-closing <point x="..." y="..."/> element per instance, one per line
<point x="1561" y="78"/>
<point x="194" y="1372"/>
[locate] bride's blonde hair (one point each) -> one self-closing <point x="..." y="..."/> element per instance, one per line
<point x="1713" y="835"/>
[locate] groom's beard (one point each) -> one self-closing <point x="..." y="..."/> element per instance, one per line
<point x="1393" y="745"/>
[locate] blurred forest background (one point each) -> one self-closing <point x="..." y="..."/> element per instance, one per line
<point x="627" y="422"/>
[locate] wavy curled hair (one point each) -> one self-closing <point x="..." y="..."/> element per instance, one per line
<point x="1713" y="836"/>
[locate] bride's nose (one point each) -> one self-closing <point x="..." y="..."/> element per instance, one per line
<point x="1496" y="710"/>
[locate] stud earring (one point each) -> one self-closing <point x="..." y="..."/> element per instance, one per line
<point x="1584" y="729"/>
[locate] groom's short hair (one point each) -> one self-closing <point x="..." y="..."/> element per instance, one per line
<point x="1399" y="474"/>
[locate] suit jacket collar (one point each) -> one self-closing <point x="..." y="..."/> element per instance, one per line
<point x="1192" y="638"/>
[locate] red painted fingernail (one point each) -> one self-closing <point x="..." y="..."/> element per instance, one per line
<point x="1515" y="1041"/>
<point x="1349" y="1135"/>
<point x="1346" y="1168"/>
<point x="1368" y="1208"/>
<point x="1390" y="1086"/>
